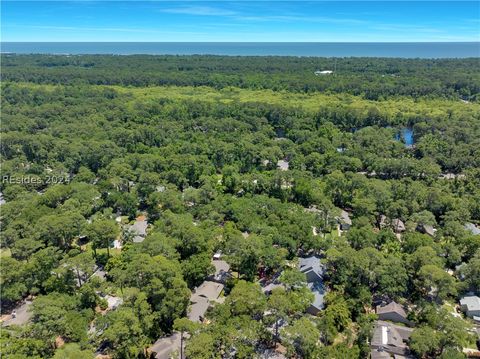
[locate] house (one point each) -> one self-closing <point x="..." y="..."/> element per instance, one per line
<point x="202" y="298"/>
<point x="282" y="165"/>
<point x="344" y="220"/>
<point x="397" y="224"/>
<point x="222" y="271"/>
<point x="471" y="306"/>
<point x="324" y="72"/>
<point x="473" y="229"/>
<point x="318" y="290"/>
<point x="390" y="338"/>
<point x="314" y="269"/>
<point x="164" y="347"/>
<point x="379" y="354"/>
<point x="139" y="228"/>
<point x="113" y="302"/>
<point x="426" y="229"/>
<point x="393" y="312"/>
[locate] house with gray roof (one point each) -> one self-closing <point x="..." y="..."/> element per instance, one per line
<point x="390" y="338"/>
<point x="164" y="347"/>
<point x="139" y="228"/>
<point x="318" y="290"/>
<point x="312" y="267"/>
<point x="222" y="271"/>
<point x="426" y="229"/>
<point x="393" y="312"/>
<point x="344" y="220"/>
<point x="202" y="298"/>
<point x="313" y="270"/>
<point x="472" y="228"/>
<point x="471" y="306"/>
<point x="397" y="225"/>
<point x="379" y="354"/>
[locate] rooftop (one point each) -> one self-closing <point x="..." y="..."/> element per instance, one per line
<point x="201" y="298"/>
<point x="198" y="308"/>
<point x="282" y="165"/>
<point x="113" y="302"/>
<point x="311" y="263"/>
<point x="140" y="229"/>
<point x="391" y="337"/>
<point x="472" y="302"/>
<point x="222" y="270"/>
<point x="392" y="307"/>
<point x="345" y="217"/>
<point x="472" y="228"/>
<point x="318" y="291"/>
<point x="163" y="347"/>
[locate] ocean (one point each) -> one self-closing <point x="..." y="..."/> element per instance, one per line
<point x="323" y="49"/>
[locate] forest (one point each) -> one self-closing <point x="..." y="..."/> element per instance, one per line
<point x="341" y="208"/>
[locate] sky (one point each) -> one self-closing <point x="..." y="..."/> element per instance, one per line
<point x="240" y="21"/>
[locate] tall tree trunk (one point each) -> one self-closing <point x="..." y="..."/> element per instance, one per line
<point x="181" y="345"/>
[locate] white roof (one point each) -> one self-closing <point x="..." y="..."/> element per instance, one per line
<point x="282" y="165"/>
<point x="345" y="217"/>
<point x="472" y="228"/>
<point x="113" y="302"/>
<point x="471" y="302"/>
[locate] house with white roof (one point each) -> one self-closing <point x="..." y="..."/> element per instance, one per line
<point x="471" y="306"/>
<point x="472" y="228"/>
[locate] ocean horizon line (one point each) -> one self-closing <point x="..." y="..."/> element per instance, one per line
<point x="302" y="49"/>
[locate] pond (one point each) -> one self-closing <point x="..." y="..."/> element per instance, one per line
<point x="406" y="136"/>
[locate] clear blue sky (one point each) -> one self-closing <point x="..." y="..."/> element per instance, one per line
<point x="320" y="21"/>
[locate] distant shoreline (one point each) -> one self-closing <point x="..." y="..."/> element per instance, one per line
<point x="300" y="49"/>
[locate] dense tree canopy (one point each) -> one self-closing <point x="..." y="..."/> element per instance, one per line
<point x="93" y="145"/>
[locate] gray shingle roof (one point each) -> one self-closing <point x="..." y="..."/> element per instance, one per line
<point x="318" y="291"/>
<point x="201" y="298"/>
<point x="311" y="263"/>
<point x="163" y="347"/>
<point x="392" y="307"/>
<point x="140" y="229"/>
<point x="388" y="335"/>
